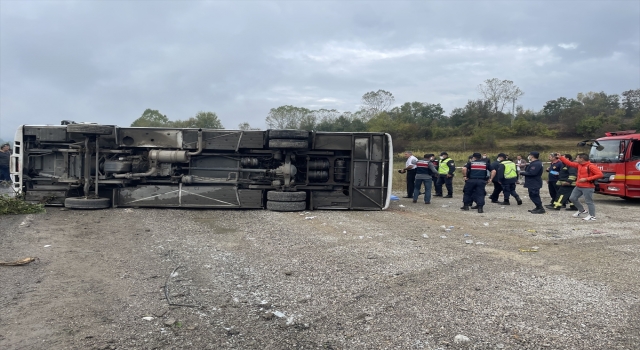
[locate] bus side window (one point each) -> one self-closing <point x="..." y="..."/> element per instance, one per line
<point x="635" y="150"/>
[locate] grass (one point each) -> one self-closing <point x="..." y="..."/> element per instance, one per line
<point x="16" y="205"/>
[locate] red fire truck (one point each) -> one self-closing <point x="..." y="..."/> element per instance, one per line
<point x="618" y="156"/>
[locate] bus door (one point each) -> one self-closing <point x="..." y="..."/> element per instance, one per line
<point x="632" y="173"/>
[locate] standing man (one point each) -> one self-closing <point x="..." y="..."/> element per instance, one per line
<point x="566" y="182"/>
<point x="533" y="181"/>
<point x="424" y="171"/>
<point x="587" y="174"/>
<point x="446" y="168"/>
<point x="521" y="164"/>
<point x="507" y="177"/>
<point x="475" y="177"/>
<point x="435" y="163"/>
<point x="554" y="172"/>
<point x="410" y="169"/>
<point x="5" y="155"/>
<point x="497" y="187"/>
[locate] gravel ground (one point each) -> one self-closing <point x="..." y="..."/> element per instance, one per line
<point x="397" y="279"/>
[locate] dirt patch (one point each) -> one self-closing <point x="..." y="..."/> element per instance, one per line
<point x="324" y="279"/>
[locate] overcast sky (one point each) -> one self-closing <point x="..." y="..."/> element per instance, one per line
<point x="107" y="61"/>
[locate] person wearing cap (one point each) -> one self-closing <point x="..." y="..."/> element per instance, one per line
<point x="476" y="173"/>
<point x="446" y="168"/>
<point x="410" y="169"/>
<point x="533" y="181"/>
<point x="507" y="176"/>
<point x="424" y="171"/>
<point x="5" y="156"/>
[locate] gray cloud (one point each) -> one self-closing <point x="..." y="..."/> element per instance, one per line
<point x="108" y="61"/>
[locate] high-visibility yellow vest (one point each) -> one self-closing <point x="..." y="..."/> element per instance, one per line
<point x="443" y="169"/>
<point x="509" y="169"/>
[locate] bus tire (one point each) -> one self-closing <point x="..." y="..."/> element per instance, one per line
<point x="287" y="196"/>
<point x="286" y="206"/>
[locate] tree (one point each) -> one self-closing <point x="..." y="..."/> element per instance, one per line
<point x="376" y="102"/>
<point x="289" y="117"/>
<point x="202" y="120"/>
<point x="631" y="102"/>
<point x="151" y="118"/>
<point x="596" y="103"/>
<point x="500" y="92"/>
<point x="554" y="108"/>
<point x="246" y="127"/>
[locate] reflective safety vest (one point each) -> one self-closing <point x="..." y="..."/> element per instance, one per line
<point x="443" y="167"/>
<point x="509" y="169"/>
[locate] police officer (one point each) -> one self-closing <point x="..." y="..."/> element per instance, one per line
<point x="424" y="171"/>
<point x="434" y="178"/>
<point x="497" y="187"/>
<point x="507" y="176"/>
<point x="476" y="173"/>
<point x="446" y="168"/>
<point x="533" y="181"/>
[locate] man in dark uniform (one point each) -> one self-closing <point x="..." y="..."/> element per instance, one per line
<point x="5" y="156"/>
<point x="424" y="171"/>
<point x="554" y="172"/>
<point x="497" y="187"/>
<point x="533" y="181"/>
<point x="446" y="168"/>
<point x="434" y="178"/>
<point x="507" y="176"/>
<point x="566" y="182"/>
<point x="475" y="174"/>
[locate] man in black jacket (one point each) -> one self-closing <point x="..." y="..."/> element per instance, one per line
<point x="476" y="175"/>
<point x="507" y="176"/>
<point x="533" y="181"/>
<point x="497" y="187"/>
<point x="5" y="155"/>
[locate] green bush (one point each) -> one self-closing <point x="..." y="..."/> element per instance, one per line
<point x="17" y="205"/>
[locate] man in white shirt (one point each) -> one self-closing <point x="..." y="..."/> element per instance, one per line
<point x="410" y="169"/>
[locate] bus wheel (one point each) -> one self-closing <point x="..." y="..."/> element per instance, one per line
<point x="286" y="206"/>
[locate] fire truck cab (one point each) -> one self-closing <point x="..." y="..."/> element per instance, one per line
<point x="618" y="156"/>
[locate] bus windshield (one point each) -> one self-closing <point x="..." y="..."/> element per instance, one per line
<point x="610" y="153"/>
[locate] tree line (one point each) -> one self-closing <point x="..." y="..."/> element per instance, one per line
<point x="480" y="122"/>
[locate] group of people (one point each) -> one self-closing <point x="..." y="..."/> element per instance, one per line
<point x="568" y="180"/>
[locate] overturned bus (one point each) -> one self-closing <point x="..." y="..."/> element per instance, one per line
<point x="92" y="166"/>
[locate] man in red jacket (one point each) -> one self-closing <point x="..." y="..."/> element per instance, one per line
<point x="587" y="174"/>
